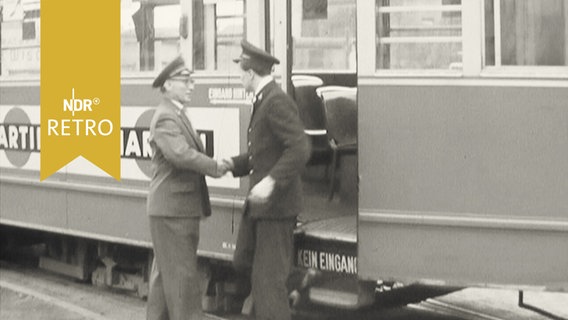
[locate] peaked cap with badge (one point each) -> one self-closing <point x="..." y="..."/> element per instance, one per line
<point x="255" y="56"/>
<point x="176" y="68"/>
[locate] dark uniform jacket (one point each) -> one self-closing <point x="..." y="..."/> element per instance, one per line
<point x="178" y="184"/>
<point x="277" y="146"/>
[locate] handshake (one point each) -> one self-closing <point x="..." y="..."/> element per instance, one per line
<point x="223" y="166"/>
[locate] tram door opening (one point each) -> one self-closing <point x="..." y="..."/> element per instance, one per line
<point x="316" y="43"/>
<point x="323" y="81"/>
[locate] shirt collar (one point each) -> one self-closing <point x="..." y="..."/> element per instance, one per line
<point x="177" y="104"/>
<point x="263" y="82"/>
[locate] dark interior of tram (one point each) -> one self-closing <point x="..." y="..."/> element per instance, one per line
<point x="328" y="109"/>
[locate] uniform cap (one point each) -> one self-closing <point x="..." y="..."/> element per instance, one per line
<point x="176" y="68"/>
<point x="255" y="55"/>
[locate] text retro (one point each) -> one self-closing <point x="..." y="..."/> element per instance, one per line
<point x="79" y="127"/>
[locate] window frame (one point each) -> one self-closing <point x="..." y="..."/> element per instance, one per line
<point x="30" y="13"/>
<point x="473" y="48"/>
<point x="465" y="40"/>
<point x="302" y="42"/>
<point x="211" y="64"/>
<point x="509" y="71"/>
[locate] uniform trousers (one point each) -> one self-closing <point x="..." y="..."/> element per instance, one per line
<point x="267" y="245"/>
<point x="174" y="280"/>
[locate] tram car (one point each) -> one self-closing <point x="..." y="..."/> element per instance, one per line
<point x="439" y="132"/>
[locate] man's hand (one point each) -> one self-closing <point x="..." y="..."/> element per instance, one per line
<point x="221" y="169"/>
<point x="229" y="164"/>
<point x="262" y="190"/>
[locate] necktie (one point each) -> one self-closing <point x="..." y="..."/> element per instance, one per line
<point x="253" y="103"/>
<point x="256" y="99"/>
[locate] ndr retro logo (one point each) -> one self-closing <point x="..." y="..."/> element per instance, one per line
<point x="19" y="138"/>
<point x="79" y="127"/>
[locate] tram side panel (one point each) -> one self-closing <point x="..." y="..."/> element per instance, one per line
<point x="81" y="200"/>
<point x="463" y="184"/>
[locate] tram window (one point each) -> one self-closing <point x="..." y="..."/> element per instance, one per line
<point x="418" y="34"/>
<point x="30" y="26"/>
<point x="149" y="35"/>
<point x="323" y="33"/>
<point x="526" y="33"/>
<point x="19" y="39"/>
<point x="28" y="30"/>
<point x="166" y="34"/>
<point x="129" y="52"/>
<point x="219" y="24"/>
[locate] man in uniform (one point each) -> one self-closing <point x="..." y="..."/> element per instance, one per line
<point x="178" y="198"/>
<point x="278" y="150"/>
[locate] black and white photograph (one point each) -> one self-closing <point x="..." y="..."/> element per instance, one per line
<point x="288" y="160"/>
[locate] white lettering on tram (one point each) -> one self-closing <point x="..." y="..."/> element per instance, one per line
<point x="19" y="137"/>
<point x="327" y="261"/>
<point x="226" y="93"/>
<point x="134" y="143"/>
<point x="308" y="258"/>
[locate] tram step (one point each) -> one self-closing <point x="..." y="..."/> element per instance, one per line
<point x="344" y="293"/>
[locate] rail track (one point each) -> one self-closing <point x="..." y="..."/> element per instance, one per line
<point x="39" y="294"/>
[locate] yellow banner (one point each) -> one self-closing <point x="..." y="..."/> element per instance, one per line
<point x="80" y="84"/>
